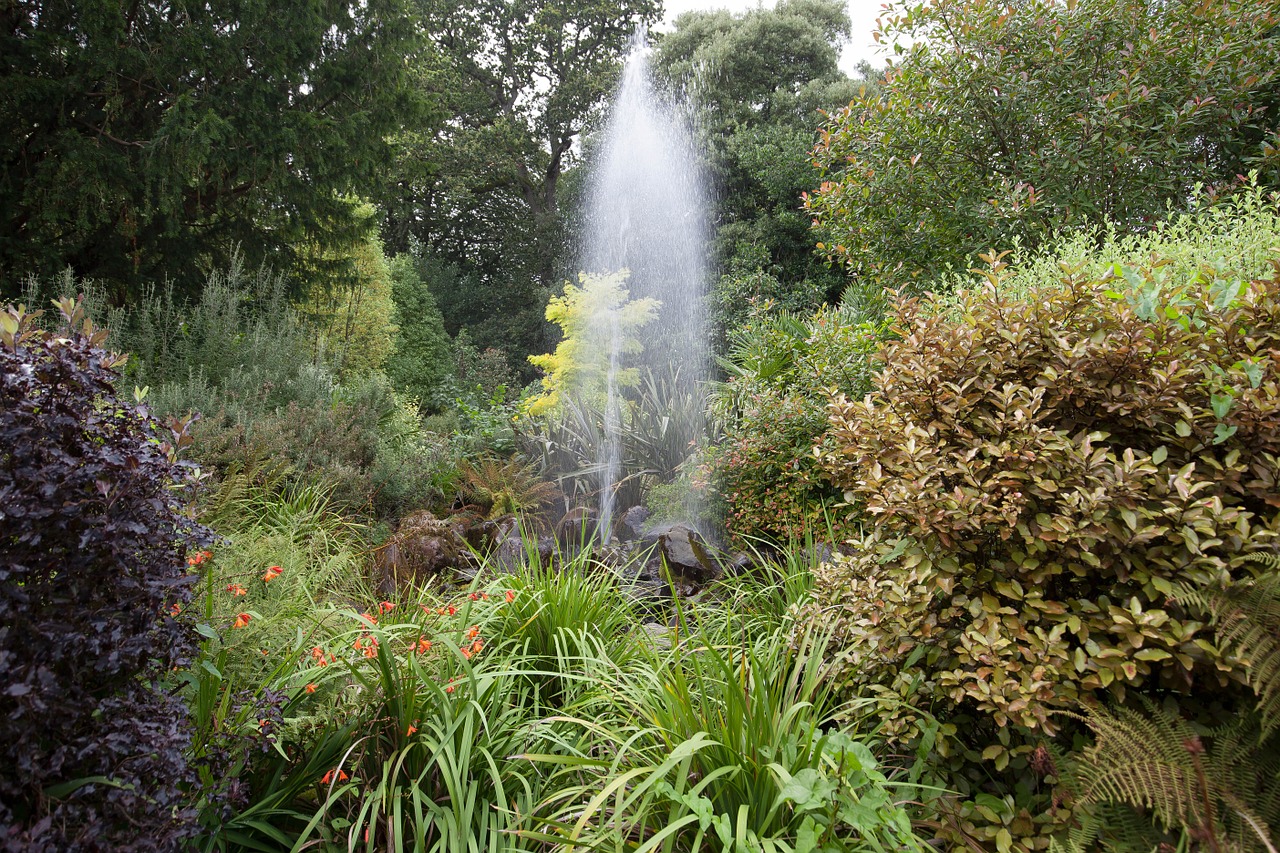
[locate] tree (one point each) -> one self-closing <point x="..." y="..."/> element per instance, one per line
<point x="422" y="363"/>
<point x="600" y="323"/>
<point x="482" y="192"/>
<point x="1006" y="123"/>
<point x="353" y="312"/>
<point x="147" y="140"/>
<point x="759" y="82"/>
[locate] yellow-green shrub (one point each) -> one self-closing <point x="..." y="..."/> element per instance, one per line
<point x="1041" y="473"/>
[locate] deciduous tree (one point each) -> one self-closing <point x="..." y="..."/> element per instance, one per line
<point x="1008" y="122"/>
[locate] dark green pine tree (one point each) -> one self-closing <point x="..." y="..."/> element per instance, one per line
<point x="147" y="140"/>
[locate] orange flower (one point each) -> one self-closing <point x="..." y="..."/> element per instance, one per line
<point x="317" y="655"/>
<point x="386" y="607"/>
<point x="264" y="652"/>
<point x="273" y="572"/>
<point x="370" y="646"/>
<point x="175" y="609"/>
<point x="474" y="596"/>
<point x="409" y="732"/>
<point x="197" y="559"/>
<point x="368" y="617"/>
<point x="511" y="596"/>
<point x="449" y="689"/>
<point x="424" y="646"/>
<point x="236" y="589"/>
<point x="328" y="777"/>
<point x="263" y="725"/>
<point x="242" y="620"/>
<point x="311" y="688"/>
<point x="447" y="611"/>
<point x="466" y="652"/>
<point x="473" y="632"/>
<point x="477" y="646"/>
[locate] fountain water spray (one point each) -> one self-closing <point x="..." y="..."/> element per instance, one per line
<point x="647" y="213"/>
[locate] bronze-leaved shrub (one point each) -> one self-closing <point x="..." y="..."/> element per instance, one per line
<point x="1041" y="474"/>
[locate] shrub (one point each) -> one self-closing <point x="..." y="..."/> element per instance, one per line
<point x="93" y="578"/>
<point x="774" y="411"/>
<point x="1041" y="475"/>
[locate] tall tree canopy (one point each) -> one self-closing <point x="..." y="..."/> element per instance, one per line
<point x="146" y="140"/>
<point x="758" y="82"/>
<point x="522" y="79"/>
<point x="1007" y="122"/>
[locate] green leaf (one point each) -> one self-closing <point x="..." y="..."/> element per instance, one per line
<point x="808" y="790"/>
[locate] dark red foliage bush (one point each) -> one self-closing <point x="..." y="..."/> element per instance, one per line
<point x="93" y="576"/>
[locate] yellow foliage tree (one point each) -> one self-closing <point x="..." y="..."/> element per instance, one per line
<point x="597" y="319"/>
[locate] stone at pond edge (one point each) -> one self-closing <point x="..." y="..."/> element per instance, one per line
<point x="685" y="552"/>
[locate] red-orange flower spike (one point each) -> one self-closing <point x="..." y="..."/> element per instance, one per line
<point x="328" y="777"/>
<point x="175" y="610"/>
<point x="409" y="731"/>
<point x="466" y="652"/>
<point x="424" y="646"/>
<point x="311" y="688"/>
<point x="511" y="596"/>
<point x="272" y="573"/>
<point x="473" y="632"/>
<point x="242" y="620"/>
<point x="386" y="607"/>
<point x="236" y="589"/>
<point x="477" y="646"/>
<point x="369" y="617"/>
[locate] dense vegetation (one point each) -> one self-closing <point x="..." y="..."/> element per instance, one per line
<point x="988" y="479"/>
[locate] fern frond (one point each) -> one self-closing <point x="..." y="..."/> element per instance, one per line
<point x="1160" y="764"/>
<point x="1246" y="619"/>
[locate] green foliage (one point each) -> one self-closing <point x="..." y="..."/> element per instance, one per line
<point x="242" y="357"/>
<point x="1004" y="123"/>
<point x="522" y="81"/>
<point x="773" y="407"/>
<point x="421" y="366"/>
<point x="661" y="426"/>
<point x="757" y="82"/>
<point x="353" y="312"/>
<point x="1246" y="620"/>
<point x="1234" y="237"/>
<point x="125" y="162"/>
<point x="733" y="753"/>
<point x="1221" y="787"/>
<point x="600" y="323"/>
<point x="1041" y="475"/>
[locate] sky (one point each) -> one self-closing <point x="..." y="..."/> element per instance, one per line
<point x="862" y="12"/>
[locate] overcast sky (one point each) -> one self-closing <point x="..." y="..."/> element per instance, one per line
<point x="862" y="12"/>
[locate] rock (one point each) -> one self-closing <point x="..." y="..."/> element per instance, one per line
<point x="686" y="552"/>
<point x="513" y="553"/>
<point x="423" y="547"/>
<point x="630" y="524"/>
<point x="576" y="527"/>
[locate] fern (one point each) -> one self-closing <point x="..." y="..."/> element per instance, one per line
<point x="1221" y="788"/>
<point x="1246" y="619"/>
